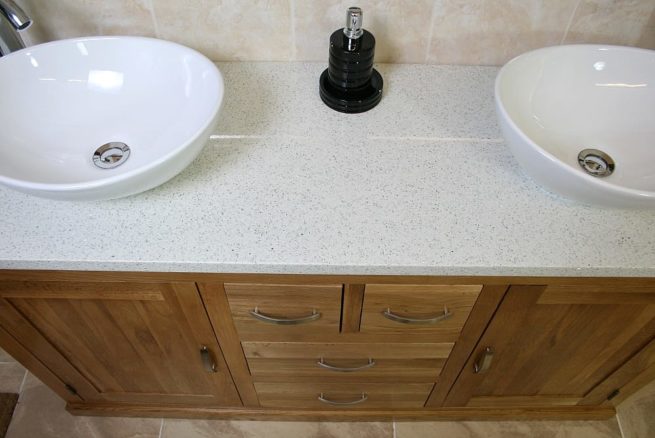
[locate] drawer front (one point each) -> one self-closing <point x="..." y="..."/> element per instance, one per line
<point x="285" y="312"/>
<point x="343" y="396"/>
<point x="436" y="311"/>
<point x="349" y="362"/>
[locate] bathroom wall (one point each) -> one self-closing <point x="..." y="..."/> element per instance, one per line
<point x="486" y="32"/>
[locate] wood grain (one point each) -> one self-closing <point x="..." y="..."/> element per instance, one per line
<point x="305" y="395"/>
<point x="642" y="379"/>
<point x="551" y="349"/>
<point x="26" y="334"/>
<point x="523" y="401"/>
<point x="552" y="413"/>
<point x="638" y="371"/>
<point x="488" y="301"/>
<point x="218" y="309"/>
<point x="29" y="361"/>
<point x="130" y="350"/>
<point x="309" y="279"/>
<point x="618" y="309"/>
<point x="417" y="301"/>
<point x="297" y="361"/>
<point x="81" y="290"/>
<point x="597" y="294"/>
<point x="353" y="299"/>
<point x="285" y="301"/>
<point x="309" y="350"/>
<point x="384" y="370"/>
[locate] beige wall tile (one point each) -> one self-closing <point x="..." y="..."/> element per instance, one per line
<point x="490" y="32"/>
<point x="610" y="21"/>
<point x="647" y="39"/>
<point x="228" y="29"/>
<point x="636" y="413"/>
<point x="54" y="20"/>
<point x="41" y="413"/>
<point x="510" y="429"/>
<point x="273" y="429"/>
<point x="487" y="32"/>
<point x="401" y="28"/>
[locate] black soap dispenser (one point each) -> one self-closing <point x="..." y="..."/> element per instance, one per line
<point x="350" y="84"/>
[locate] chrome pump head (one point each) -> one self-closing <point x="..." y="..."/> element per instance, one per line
<point x="353" y="29"/>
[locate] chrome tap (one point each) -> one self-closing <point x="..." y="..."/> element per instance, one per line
<point x="12" y="20"/>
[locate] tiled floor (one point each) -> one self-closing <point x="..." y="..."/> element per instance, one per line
<point x="637" y="414"/>
<point x="40" y="413"/>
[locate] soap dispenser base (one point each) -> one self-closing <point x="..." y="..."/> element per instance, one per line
<point x="353" y="100"/>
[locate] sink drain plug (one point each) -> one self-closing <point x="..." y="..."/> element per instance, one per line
<point x="596" y="163"/>
<point x="111" y="155"/>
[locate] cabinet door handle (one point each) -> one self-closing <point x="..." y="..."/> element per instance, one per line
<point x="483" y="363"/>
<point x="321" y="363"/>
<point x="208" y="361"/>
<point x="362" y="399"/>
<point x="407" y="320"/>
<point x="284" y="321"/>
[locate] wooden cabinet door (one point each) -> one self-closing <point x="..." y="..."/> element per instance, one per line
<point x="553" y="345"/>
<point x="121" y="342"/>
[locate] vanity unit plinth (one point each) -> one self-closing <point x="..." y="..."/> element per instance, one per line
<point x="331" y="347"/>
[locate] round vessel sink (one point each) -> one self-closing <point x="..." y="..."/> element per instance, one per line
<point x="103" y="117"/>
<point x="580" y="120"/>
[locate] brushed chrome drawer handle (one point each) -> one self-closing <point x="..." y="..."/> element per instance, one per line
<point x="363" y="398"/>
<point x="406" y="320"/>
<point x="484" y="361"/>
<point x="321" y="363"/>
<point x="285" y="321"/>
<point x="207" y="360"/>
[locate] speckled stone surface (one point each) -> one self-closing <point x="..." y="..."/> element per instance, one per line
<point x="422" y="184"/>
<point x="419" y="102"/>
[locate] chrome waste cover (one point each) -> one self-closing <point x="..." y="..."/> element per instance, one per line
<point x="596" y="163"/>
<point x="111" y="155"/>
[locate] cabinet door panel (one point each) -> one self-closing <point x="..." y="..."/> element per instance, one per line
<point x="139" y="344"/>
<point x="554" y="348"/>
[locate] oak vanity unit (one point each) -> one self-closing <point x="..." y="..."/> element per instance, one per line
<point x="296" y="270"/>
<point x="337" y="347"/>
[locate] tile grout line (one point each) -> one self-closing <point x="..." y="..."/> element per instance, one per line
<point x="419" y="138"/>
<point x="618" y="421"/>
<point x="568" y="25"/>
<point x="294" y="42"/>
<point x="428" y="46"/>
<point x="161" y="428"/>
<point x="393" y="425"/>
<point x="374" y="137"/>
<point x="153" y="16"/>
<point x="22" y="383"/>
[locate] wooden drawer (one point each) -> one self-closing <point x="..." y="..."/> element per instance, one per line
<point x="285" y="312"/>
<point x="364" y="362"/>
<point x="377" y="395"/>
<point x="417" y="310"/>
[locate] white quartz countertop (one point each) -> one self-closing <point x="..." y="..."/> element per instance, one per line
<point x="421" y="184"/>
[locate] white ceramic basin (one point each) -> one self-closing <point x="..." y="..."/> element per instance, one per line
<point x="63" y="100"/>
<point x="553" y="103"/>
